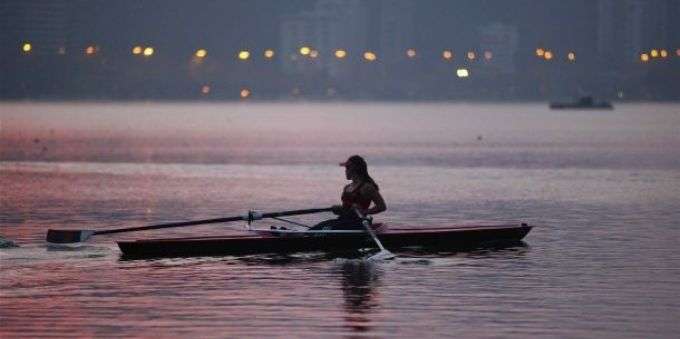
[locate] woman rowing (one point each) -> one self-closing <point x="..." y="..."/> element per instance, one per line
<point x="356" y="196"/>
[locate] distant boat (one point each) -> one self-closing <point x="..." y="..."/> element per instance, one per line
<point x="583" y="103"/>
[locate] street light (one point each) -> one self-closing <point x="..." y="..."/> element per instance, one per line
<point x="268" y="54"/>
<point x="644" y="57"/>
<point x="488" y="55"/>
<point x="571" y="56"/>
<point x="471" y="55"/>
<point x="462" y="73"/>
<point x="245" y="93"/>
<point x="27" y="47"/>
<point x="149" y="51"/>
<point x="90" y="50"/>
<point x="340" y="53"/>
<point x="411" y="53"/>
<point x="548" y="55"/>
<point x="447" y="54"/>
<point x="370" y="56"/>
<point x="137" y="50"/>
<point x="243" y="55"/>
<point x="304" y="50"/>
<point x="201" y="53"/>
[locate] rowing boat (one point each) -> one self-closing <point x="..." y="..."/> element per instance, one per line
<point x="451" y="238"/>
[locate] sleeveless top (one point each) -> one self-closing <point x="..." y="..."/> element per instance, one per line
<point x="350" y="198"/>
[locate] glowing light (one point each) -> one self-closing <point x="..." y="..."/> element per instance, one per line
<point x="571" y="56"/>
<point x="540" y="52"/>
<point x="245" y="93"/>
<point x="488" y="55"/>
<point x="269" y="53"/>
<point x="370" y="56"/>
<point x="304" y="50"/>
<point x="411" y="53"/>
<point x="314" y="54"/>
<point x="340" y="53"/>
<point x="654" y="53"/>
<point x="677" y="52"/>
<point x="447" y="55"/>
<point x="149" y="51"/>
<point x="663" y="53"/>
<point x="548" y="55"/>
<point x="90" y="50"/>
<point x="61" y="50"/>
<point x="26" y="48"/>
<point x="137" y="50"/>
<point x="201" y="53"/>
<point x="471" y="55"/>
<point x="644" y="57"/>
<point x="462" y="73"/>
<point x="205" y="89"/>
<point x="243" y="55"/>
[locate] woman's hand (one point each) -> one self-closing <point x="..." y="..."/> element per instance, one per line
<point x="362" y="212"/>
<point x="337" y="209"/>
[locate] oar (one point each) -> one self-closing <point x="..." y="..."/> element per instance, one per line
<point x="73" y="236"/>
<point x="384" y="254"/>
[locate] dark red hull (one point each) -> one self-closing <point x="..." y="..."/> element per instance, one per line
<point x="448" y="239"/>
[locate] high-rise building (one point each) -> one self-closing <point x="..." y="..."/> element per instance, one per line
<point x="331" y="25"/>
<point x="498" y="46"/>
<point x="627" y="28"/>
<point x="396" y="29"/>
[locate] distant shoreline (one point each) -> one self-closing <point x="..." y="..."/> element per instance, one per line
<point x="310" y="100"/>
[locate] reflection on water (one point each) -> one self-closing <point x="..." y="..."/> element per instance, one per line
<point x="360" y="280"/>
<point x="601" y="188"/>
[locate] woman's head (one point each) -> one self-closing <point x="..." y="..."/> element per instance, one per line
<point x="355" y="166"/>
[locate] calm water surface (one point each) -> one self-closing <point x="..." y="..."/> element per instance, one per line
<point x="602" y="189"/>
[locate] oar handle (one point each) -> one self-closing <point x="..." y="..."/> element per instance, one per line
<point x="213" y="221"/>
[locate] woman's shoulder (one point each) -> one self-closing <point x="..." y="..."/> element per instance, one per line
<point x="369" y="187"/>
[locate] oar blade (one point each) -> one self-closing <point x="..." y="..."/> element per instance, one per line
<point x="67" y="236"/>
<point x="382" y="255"/>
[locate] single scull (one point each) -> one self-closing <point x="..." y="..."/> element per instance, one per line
<point x="446" y="238"/>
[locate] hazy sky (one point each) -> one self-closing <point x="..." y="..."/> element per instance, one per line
<point x="236" y="24"/>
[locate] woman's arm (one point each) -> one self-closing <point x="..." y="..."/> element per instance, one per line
<point x="376" y="198"/>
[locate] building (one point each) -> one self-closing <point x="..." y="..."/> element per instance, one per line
<point x="331" y="25"/>
<point x="396" y="30"/>
<point x="498" y="45"/>
<point x="628" y="28"/>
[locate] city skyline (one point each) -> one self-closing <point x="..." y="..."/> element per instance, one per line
<point x="415" y="38"/>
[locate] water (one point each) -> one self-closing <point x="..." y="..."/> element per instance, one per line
<point x="601" y="187"/>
